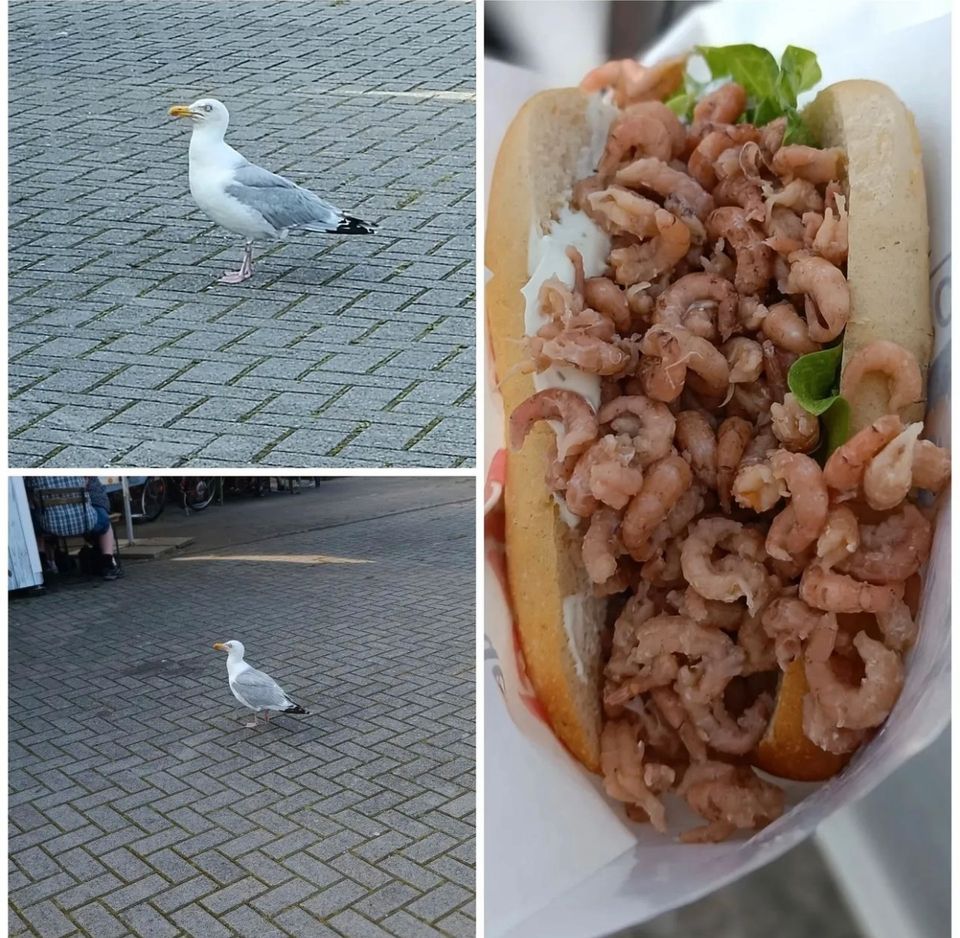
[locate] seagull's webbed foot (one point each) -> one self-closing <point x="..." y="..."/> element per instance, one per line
<point x="246" y="267"/>
<point x="252" y="725"/>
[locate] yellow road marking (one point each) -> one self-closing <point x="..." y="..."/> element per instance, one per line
<point x="276" y="558"/>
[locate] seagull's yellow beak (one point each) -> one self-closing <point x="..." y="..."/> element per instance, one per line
<point x="180" y="110"/>
<point x="221" y="647"/>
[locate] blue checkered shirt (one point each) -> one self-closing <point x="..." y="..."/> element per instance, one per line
<point x="64" y="520"/>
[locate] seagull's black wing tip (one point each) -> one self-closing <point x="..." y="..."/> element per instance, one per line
<point x="350" y="225"/>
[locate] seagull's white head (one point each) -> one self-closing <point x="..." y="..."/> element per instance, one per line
<point x="207" y="112"/>
<point x="233" y="648"/>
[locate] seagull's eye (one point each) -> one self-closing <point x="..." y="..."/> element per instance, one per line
<point x="208" y="108"/>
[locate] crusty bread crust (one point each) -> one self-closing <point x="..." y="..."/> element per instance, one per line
<point x="887" y="267"/>
<point x="888" y="273"/>
<point x="535" y="169"/>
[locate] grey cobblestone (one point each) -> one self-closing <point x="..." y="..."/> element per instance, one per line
<point x="112" y="300"/>
<point x="140" y="806"/>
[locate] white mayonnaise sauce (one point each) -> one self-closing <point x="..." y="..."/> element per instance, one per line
<point x="546" y="258"/>
<point x="579" y="614"/>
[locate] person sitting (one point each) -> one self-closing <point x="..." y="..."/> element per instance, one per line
<point x="87" y="515"/>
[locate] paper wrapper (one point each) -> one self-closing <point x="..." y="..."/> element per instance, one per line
<point x="560" y="859"/>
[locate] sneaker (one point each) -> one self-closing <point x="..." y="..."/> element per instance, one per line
<point x="112" y="571"/>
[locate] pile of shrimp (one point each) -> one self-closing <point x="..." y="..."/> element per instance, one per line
<point x="729" y="551"/>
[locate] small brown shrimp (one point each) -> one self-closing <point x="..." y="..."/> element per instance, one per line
<point x="666" y="480"/>
<point x="839" y="538"/>
<point x="776" y="364"/>
<point x="757" y="644"/>
<point x="663" y="568"/>
<point x="659" y="672"/>
<point x="635" y="132"/>
<point x="888" y="478"/>
<point x="579" y="423"/>
<point x="718" y="263"/>
<point x="797" y="429"/>
<point x="751" y="313"/>
<point x="600" y="547"/>
<point x="708" y="150"/>
<point x="931" y="466"/>
<point x="897" y="364"/>
<point x="827" y="296"/>
<point x="729" y="797"/>
<point x="789" y="622"/>
<point x="728" y="580"/>
<point x="587" y="352"/>
<point x="898" y="626"/>
<point x="711" y="613"/>
<point x="745" y="238"/>
<point x="835" y="592"/>
<point x="771" y="136"/>
<point x="698" y="444"/>
<point x="583" y="189"/>
<point x="604" y="473"/>
<point x="824" y="733"/>
<point x="784" y="224"/>
<point x="831" y="240"/>
<point x="698" y="291"/>
<point x="723" y="106"/>
<point x="649" y="423"/>
<point x="725" y="733"/>
<point x="671" y="352"/>
<point x="812" y="222"/>
<point x="844" y="469"/>
<point x="800" y="523"/>
<point x="671" y="123"/>
<point x="745" y="358"/>
<point x="636" y="263"/>
<point x="754" y="485"/>
<point x="603" y="295"/>
<point x="633" y="82"/>
<point x="892" y="550"/>
<point x="796" y="161"/>
<point x="656" y="175"/>
<point x="617" y="210"/>
<point x="719" y="658"/>
<point x="743" y="192"/>
<point x="621" y="761"/>
<point x="849" y="707"/>
<point x="799" y="196"/>
<point x="733" y="435"/>
<point x="787" y="330"/>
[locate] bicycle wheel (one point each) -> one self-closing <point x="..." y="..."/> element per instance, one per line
<point x="198" y="492"/>
<point x="153" y="497"/>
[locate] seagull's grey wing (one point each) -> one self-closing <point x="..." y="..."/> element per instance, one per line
<point x="259" y="690"/>
<point x="282" y="203"/>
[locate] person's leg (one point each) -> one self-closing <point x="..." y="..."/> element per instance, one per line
<point x="110" y="569"/>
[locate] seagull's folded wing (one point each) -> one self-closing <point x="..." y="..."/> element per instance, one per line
<point x="282" y="203"/>
<point x="257" y="689"/>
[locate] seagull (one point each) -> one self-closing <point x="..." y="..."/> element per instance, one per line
<point x="253" y="688"/>
<point x="247" y="199"/>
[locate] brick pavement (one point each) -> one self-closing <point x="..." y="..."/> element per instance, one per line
<point x="139" y="804"/>
<point x="341" y="351"/>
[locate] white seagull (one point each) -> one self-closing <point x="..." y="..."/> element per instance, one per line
<point x="249" y="200"/>
<point x="253" y="688"/>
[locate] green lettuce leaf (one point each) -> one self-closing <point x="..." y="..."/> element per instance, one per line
<point x="772" y="89"/>
<point x="814" y="379"/>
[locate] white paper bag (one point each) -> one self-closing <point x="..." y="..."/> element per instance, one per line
<point x="560" y="859"/>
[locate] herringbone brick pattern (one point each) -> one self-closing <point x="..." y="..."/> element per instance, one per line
<point x="341" y="351"/>
<point x="141" y="806"/>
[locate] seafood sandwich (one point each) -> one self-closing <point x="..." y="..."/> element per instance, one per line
<point x="710" y="321"/>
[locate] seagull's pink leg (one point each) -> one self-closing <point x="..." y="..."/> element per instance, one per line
<point x="267" y="715"/>
<point x="246" y="267"/>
